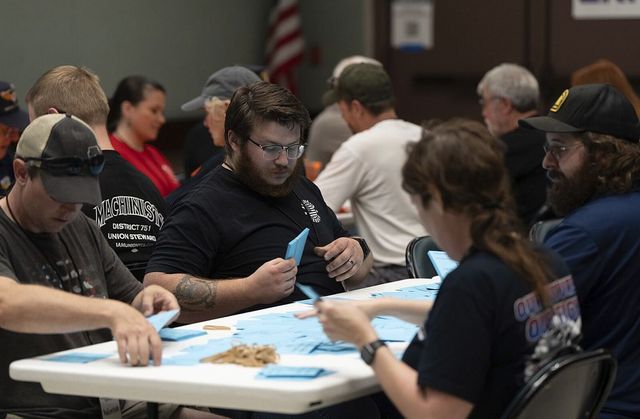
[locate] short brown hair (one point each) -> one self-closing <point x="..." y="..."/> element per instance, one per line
<point x="260" y="102"/>
<point x="70" y="89"/>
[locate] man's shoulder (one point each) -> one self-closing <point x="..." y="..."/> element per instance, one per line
<point x="119" y="174"/>
<point x="599" y="220"/>
<point x="611" y="209"/>
<point x="522" y="140"/>
<point x="386" y="132"/>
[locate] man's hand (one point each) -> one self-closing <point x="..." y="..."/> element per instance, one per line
<point x="154" y="299"/>
<point x="135" y="336"/>
<point x="344" y="256"/>
<point x="274" y="280"/>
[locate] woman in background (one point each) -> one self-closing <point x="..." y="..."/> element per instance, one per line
<point x="135" y="117"/>
<point x="468" y="360"/>
<point x="604" y="71"/>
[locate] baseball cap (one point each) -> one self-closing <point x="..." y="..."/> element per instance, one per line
<point x="590" y="107"/>
<point x="222" y="84"/>
<point x="329" y="97"/>
<point x="10" y="113"/>
<point x="67" y="152"/>
<point x="367" y="83"/>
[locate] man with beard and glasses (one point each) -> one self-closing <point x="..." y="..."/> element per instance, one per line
<point x="222" y="247"/>
<point x="593" y="162"/>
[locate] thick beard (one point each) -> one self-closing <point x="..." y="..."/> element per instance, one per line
<point x="567" y="194"/>
<point x="250" y="176"/>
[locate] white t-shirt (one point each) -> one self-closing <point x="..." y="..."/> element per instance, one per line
<point x="366" y="169"/>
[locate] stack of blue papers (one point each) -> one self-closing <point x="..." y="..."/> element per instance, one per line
<point x="279" y="372"/>
<point x="77" y="357"/>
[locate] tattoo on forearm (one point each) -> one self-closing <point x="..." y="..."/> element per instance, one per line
<point x="195" y="294"/>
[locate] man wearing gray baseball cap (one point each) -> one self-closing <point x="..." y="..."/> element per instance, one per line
<point x="214" y="99"/>
<point x="68" y="289"/>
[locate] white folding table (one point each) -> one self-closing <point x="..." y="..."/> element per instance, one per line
<point x="213" y="385"/>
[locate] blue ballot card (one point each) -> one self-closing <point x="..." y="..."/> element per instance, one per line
<point x="441" y="262"/>
<point x="163" y="318"/>
<point x="296" y="246"/>
<point x="308" y="291"/>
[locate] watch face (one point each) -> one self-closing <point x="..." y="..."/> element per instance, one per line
<point x="368" y="351"/>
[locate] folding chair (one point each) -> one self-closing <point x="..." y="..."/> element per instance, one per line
<point x="570" y="386"/>
<point x="418" y="263"/>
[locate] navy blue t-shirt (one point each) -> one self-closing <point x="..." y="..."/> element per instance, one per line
<point x="601" y="244"/>
<point x="482" y="328"/>
<point x="223" y="229"/>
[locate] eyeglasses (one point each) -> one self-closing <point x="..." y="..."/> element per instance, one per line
<point x="69" y="166"/>
<point x="558" y="150"/>
<point x="273" y="151"/>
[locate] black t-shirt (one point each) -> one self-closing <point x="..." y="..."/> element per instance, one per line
<point x="131" y="213"/>
<point x="481" y="330"/>
<point x="528" y="178"/>
<point x="189" y="184"/>
<point x="223" y="229"/>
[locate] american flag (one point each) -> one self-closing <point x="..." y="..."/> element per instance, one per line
<point x="285" y="45"/>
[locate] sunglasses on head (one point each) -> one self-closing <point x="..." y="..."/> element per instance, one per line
<point x="68" y="166"/>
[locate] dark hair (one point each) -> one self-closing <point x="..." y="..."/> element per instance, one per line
<point x="70" y="89"/>
<point x="130" y="89"/>
<point x="465" y="164"/>
<point x="262" y="101"/>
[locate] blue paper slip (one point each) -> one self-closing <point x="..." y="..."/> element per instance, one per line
<point x="174" y="335"/>
<point x="308" y="291"/>
<point x="442" y="263"/>
<point x="77" y="357"/>
<point x="160" y="320"/>
<point x="290" y="373"/>
<point x="296" y="246"/>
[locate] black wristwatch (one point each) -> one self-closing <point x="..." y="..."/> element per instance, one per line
<point x="363" y="245"/>
<point x="368" y="351"/>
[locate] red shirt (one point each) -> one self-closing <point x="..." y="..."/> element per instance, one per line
<point x="151" y="163"/>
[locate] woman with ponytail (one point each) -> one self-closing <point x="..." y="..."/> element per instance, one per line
<point x="469" y="358"/>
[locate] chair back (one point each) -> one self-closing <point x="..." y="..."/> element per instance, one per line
<point x="539" y="230"/>
<point x="569" y="387"/>
<point x="418" y="263"/>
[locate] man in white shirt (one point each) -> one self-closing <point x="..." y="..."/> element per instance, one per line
<point x="366" y="169"/>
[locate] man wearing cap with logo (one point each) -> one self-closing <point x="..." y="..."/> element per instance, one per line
<point x="329" y="130"/>
<point x="593" y="162"/>
<point x="367" y="169"/>
<point x="12" y="121"/>
<point x="61" y="286"/>
<point x="223" y="246"/>
<point x="213" y="99"/>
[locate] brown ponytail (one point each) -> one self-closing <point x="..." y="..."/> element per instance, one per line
<point x="465" y="163"/>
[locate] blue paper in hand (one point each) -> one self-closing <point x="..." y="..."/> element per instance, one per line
<point x="160" y="320"/>
<point x="308" y="291"/>
<point x="442" y="263"/>
<point x="296" y="246"/>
